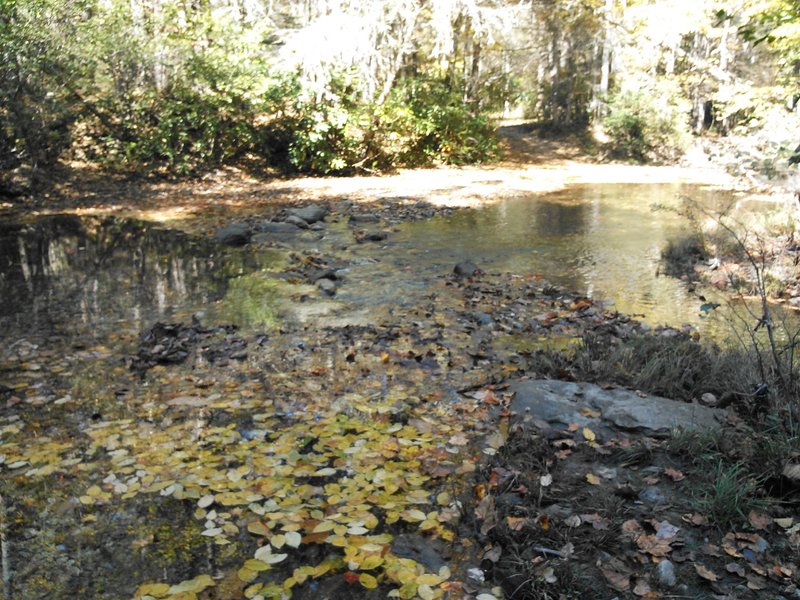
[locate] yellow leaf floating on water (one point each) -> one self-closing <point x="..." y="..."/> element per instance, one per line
<point x="588" y="435"/>
<point x="265" y="554"/>
<point x="324" y="526"/>
<point x="371" y="562"/>
<point x="192" y="586"/>
<point x="368" y="581"/>
<point x="258" y="528"/>
<point x="428" y="579"/>
<point x="293" y="539"/>
<point x="256" y="565"/>
<point x="157" y="590"/>
<point x="408" y="591"/>
<point x="414" y="515"/>
<point x="425" y="592"/>
<point x="246" y="575"/>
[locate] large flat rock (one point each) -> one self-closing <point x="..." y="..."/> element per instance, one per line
<point x="559" y="403"/>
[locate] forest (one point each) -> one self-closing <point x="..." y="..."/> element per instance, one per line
<point x="339" y="87"/>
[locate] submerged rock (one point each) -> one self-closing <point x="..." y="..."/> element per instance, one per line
<point x="372" y="236"/>
<point x="420" y="549"/>
<point x="560" y="402"/>
<point x="172" y="343"/>
<point x="233" y="235"/>
<point x="297" y="221"/>
<point x="326" y="286"/>
<point x="310" y="214"/>
<point x="466" y="269"/>
<point x="274" y="227"/>
<point x="364" y="218"/>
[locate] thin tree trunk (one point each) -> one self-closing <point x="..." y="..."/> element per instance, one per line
<point x="5" y="553"/>
<point x="605" y="67"/>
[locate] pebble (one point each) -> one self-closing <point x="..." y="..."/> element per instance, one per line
<point x="652" y="495"/>
<point x="665" y="574"/>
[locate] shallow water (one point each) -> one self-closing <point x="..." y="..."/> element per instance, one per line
<point x="63" y="274"/>
<point x="603" y="241"/>
<point x="67" y="273"/>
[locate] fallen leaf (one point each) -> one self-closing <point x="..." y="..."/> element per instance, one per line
<point x="754" y="582"/>
<point x="758" y="520"/>
<point x="674" y="474"/>
<point x="368" y="581"/>
<point x="592" y="479"/>
<point x="642" y="588"/>
<point x="617" y="574"/>
<point x="572" y="521"/>
<point x="293" y="539"/>
<point x="705" y="572"/>
<point x="737" y="568"/>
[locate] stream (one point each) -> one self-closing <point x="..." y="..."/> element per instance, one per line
<point x="121" y="469"/>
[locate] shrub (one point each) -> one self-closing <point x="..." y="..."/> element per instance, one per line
<point x="645" y="127"/>
<point x="420" y="123"/>
<point x="183" y="130"/>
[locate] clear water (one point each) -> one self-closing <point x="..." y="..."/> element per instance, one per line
<point x="68" y="273"/>
<point x="603" y="241"/>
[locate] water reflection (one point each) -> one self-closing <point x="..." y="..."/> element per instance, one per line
<point x="95" y="272"/>
<point x="600" y="240"/>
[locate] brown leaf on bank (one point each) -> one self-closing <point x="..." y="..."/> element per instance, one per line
<point x="643" y="589"/>
<point x="617" y="574"/>
<point x="736" y="568"/>
<point x="754" y="582"/>
<point x="705" y="572"/>
<point x="485" y="512"/>
<point x="759" y="520"/>
<point x="695" y="519"/>
<point x="596" y="520"/>
<point x="674" y="474"/>
<point x="592" y="479"/>
<point x="493" y="553"/>
<point x="653" y="545"/>
<point x="711" y="550"/>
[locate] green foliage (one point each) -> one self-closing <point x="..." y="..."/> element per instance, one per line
<point x="646" y="126"/>
<point x="37" y="99"/>
<point x="183" y="129"/>
<point x="445" y="127"/>
<point x="184" y="88"/>
<point x="420" y="123"/>
<point x="730" y="497"/>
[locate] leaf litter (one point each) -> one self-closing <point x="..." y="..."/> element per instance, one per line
<point x="304" y="459"/>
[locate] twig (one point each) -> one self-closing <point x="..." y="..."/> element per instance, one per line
<point x="5" y="559"/>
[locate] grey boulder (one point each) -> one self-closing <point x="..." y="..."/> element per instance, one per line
<point x="561" y="403"/>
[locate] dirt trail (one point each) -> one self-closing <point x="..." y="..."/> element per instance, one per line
<point x="531" y="165"/>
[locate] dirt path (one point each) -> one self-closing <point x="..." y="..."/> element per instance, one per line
<point x="531" y="165"/>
